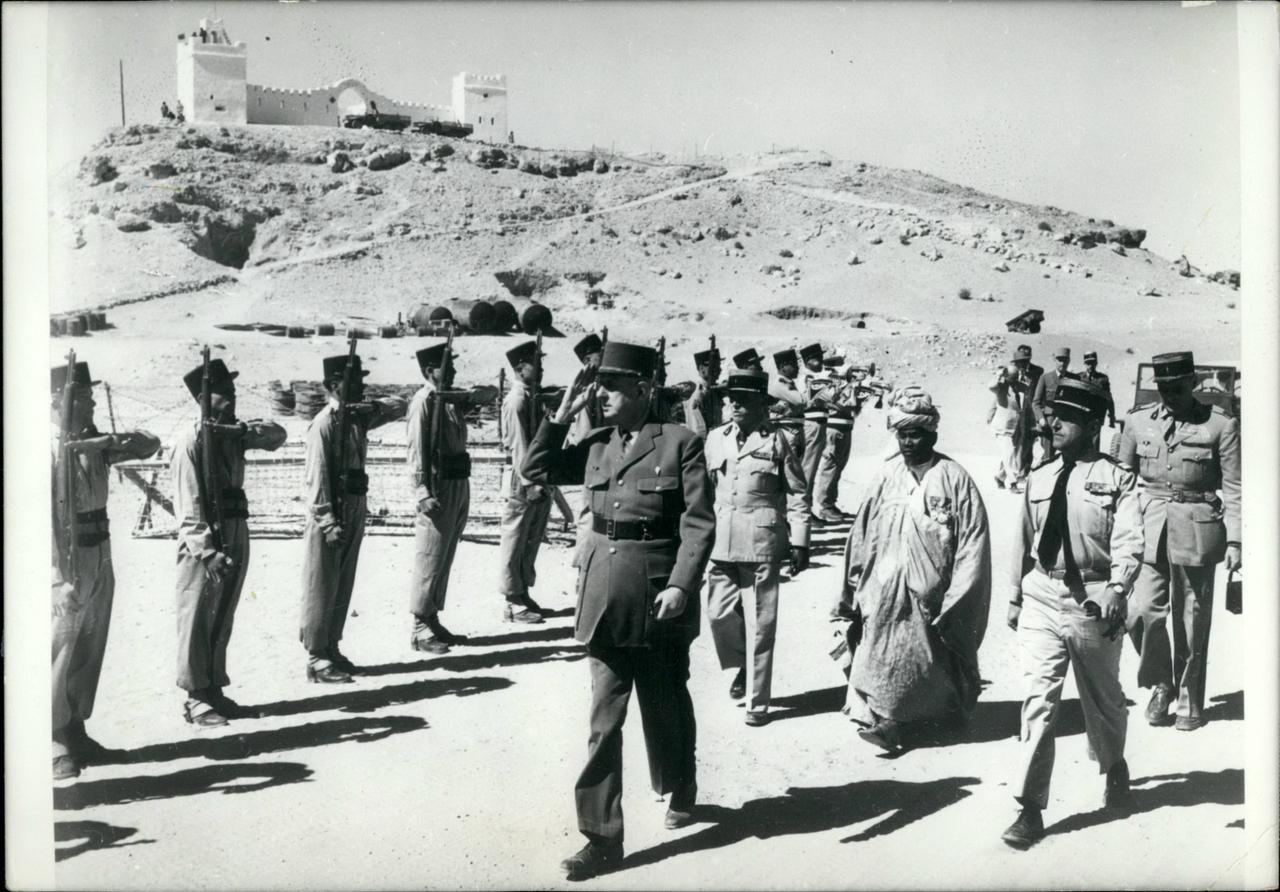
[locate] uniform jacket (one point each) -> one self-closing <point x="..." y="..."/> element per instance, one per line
<point x="759" y="495"/>
<point x="784" y="391"/>
<point x="663" y="475"/>
<point x="1045" y="390"/>
<point x="1011" y="411"/>
<point x="1200" y="454"/>
<point x="322" y="452"/>
<point x="1103" y="517"/>
<point x="518" y="426"/>
<point x="194" y="535"/>
<point x="703" y="410"/>
<point x="1101" y="380"/>
<point x="453" y="438"/>
<point x="812" y="384"/>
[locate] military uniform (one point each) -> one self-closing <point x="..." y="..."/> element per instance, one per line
<point x="329" y="570"/>
<point x="82" y="606"/>
<point x="583" y="424"/>
<point x="1080" y="532"/>
<point x="787" y="411"/>
<point x="207" y="604"/>
<point x="528" y="506"/>
<point x="1042" y="397"/>
<point x="759" y="499"/>
<point x="442" y="474"/>
<point x="652" y="528"/>
<point x="1011" y="421"/>
<point x="1102" y="382"/>
<point x="1182" y="463"/>
<point x="704" y="409"/>
<point x="815" y="421"/>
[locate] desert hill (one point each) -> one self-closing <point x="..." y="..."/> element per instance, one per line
<point x="177" y="230"/>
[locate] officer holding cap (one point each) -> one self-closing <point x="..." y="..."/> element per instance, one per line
<point x="84" y="582"/>
<point x="1184" y="451"/>
<point x="1075" y="559"/>
<point x="209" y="581"/>
<point x="759" y="499"/>
<point x="637" y="613"/>
<point x="440" y="472"/>
<point x="524" y="519"/>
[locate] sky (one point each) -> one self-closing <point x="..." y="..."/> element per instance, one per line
<point x="1127" y="111"/>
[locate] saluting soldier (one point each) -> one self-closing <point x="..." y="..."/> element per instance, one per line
<point x="1074" y="563"/>
<point x="787" y="411"/>
<point x="83" y="579"/>
<point x="441" y="477"/>
<point x="759" y="498"/>
<point x="336" y="511"/>
<point x="814" y="378"/>
<point x="524" y="520"/>
<point x="209" y="580"/>
<point x="1184" y="451"/>
<point x="704" y="409"/>
<point x="637" y="612"/>
<point x="588" y="352"/>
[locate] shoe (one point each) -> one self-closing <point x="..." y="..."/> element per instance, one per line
<point x="437" y="628"/>
<point x="884" y="734"/>
<point x="533" y="605"/>
<point x="343" y="664"/>
<point x="1158" y="707"/>
<point x="202" y="713"/>
<point x="1188" y="722"/>
<point x="738" y="689"/>
<point x="327" y="673"/>
<point x="680" y="809"/>
<point x="65" y="767"/>
<point x="1117" y="796"/>
<point x="592" y="860"/>
<point x="757" y="717"/>
<point x="428" y="644"/>
<point x="1027" y="830"/>
<point x="518" y="613"/>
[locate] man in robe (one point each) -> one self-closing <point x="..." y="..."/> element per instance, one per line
<point x="918" y="584"/>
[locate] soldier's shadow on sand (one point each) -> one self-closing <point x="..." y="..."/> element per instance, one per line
<point x="1226" y="708"/>
<point x="896" y="805"/>
<point x="271" y="740"/>
<point x="1225" y="787"/>
<point x="226" y="779"/>
<point x="461" y="661"/>
<point x="87" y="836"/>
<point x="362" y="698"/>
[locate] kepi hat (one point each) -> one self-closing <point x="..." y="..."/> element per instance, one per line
<point x="588" y="345"/>
<point x="813" y="351"/>
<point x="782" y="357"/>
<point x="747" y="358"/>
<point x="1083" y="396"/>
<point x="704" y="357"/>
<point x="1062" y="353"/>
<point x="523" y="353"/>
<point x="79" y="375"/>
<point x="747" y="381"/>
<point x="1174" y="366"/>
<point x="433" y="357"/>
<point x="618" y="358"/>
<point x="220" y="378"/>
<point x="335" y="366"/>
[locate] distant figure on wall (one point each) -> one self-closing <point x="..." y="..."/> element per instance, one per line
<point x="511" y="137"/>
<point x="165" y="112"/>
<point x="373" y="108"/>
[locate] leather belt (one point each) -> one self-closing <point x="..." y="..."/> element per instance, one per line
<point x="658" y="528"/>
<point x="1079" y="575"/>
<point x="455" y="467"/>
<point x="1181" y="495"/>
<point x="815" y="415"/>
<point x="840" y="421"/>
<point x="98" y="515"/>
<point x="92" y="540"/>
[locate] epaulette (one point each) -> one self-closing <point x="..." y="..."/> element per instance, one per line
<point x="1115" y="461"/>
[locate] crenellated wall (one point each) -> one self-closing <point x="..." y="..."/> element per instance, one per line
<point x="326" y="106"/>
<point x="481" y="101"/>
<point x="211" y="77"/>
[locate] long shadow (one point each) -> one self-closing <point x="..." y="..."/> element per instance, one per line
<point x="818" y="702"/>
<point x="235" y="778"/>
<point x="1225" y="787"/>
<point x="897" y="804"/>
<point x="1226" y="708"/>
<point x="992" y="720"/>
<point x="467" y="662"/>
<point x="550" y="633"/>
<point x="91" y="835"/>
<point x="274" y="740"/>
<point x="357" y="698"/>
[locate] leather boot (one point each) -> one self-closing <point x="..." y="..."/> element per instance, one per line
<point x="1158" y="706"/>
<point x="1026" y="830"/>
<point x="593" y="859"/>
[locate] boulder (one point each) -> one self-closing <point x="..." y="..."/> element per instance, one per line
<point x="161" y="170"/>
<point x="130" y="222"/>
<point x="441" y="150"/>
<point x="340" y="162"/>
<point x="1184" y="267"/>
<point x="722" y="234"/>
<point x="164" y="212"/>
<point x="600" y="166"/>
<point x="386" y="159"/>
<point x="528" y="165"/>
<point x="854" y="259"/>
<point x="98" y="170"/>
<point x="1118" y="248"/>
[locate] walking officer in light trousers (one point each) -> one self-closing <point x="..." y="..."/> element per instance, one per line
<point x="759" y="499"/>
<point x="1184" y="452"/>
<point x="1075" y="557"/>
<point x="440" y="469"/>
<point x="209" y="580"/>
<point x="637" y="612"/>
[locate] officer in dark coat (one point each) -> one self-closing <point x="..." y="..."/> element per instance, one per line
<point x="1101" y="380"/>
<point x="641" y="567"/>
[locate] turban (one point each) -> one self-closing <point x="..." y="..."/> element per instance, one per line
<point x="912" y="407"/>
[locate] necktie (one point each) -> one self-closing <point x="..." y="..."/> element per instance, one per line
<point x="1056" y="535"/>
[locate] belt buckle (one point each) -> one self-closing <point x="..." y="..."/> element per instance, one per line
<point x="645" y="535"/>
<point x="610" y="528"/>
<point x="1179" y="496"/>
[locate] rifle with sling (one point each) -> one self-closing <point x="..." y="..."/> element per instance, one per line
<point x="66" y="521"/>
<point x="209" y="486"/>
<point x="343" y="417"/>
<point x="435" y="464"/>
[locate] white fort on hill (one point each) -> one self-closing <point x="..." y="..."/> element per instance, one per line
<point x="213" y="89"/>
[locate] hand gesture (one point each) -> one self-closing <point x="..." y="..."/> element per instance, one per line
<point x="535" y="493"/>
<point x="431" y="507"/>
<point x="670" y="603"/>
<point x="333" y="535"/>
<point x="576" y="395"/>
<point x="218" y="565"/>
<point x="1015" y="611"/>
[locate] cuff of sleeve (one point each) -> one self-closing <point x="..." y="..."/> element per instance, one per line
<point x="800" y="535"/>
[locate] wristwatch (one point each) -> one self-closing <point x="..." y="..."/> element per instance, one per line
<point x="1117" y="588"/>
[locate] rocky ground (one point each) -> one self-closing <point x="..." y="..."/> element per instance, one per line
<point x="457" y="771"/>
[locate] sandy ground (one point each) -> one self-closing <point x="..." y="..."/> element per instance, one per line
<point x="457" y="771"/>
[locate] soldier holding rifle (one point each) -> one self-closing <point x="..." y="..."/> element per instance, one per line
<point x="83" y="579"/>
<point x="704" y="410"/>
<point x="213" y="535"/>
<point x="336" y="485"/>
<point x="441" y="469"/>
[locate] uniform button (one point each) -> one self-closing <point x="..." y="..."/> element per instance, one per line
<point x="620" y="482"/>
<point x="617" y="504"/>
<point x="612" y="550"/>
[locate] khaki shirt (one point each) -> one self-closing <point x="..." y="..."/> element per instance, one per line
<point x="453" y="438"/>
<point x="1103" y="518"/>
<point x="322" y="448"/>
<point x="703" y="410"/>
<point x="1200" y="454"/>
<point x="518" y="428"/>
<point x="759" y="495"/>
